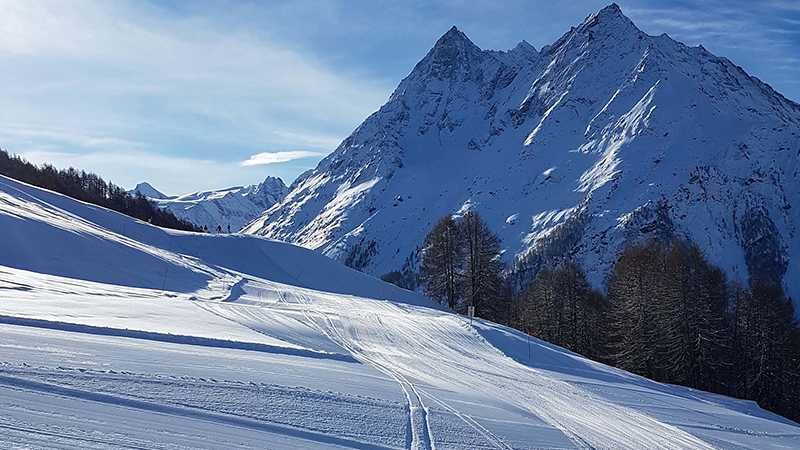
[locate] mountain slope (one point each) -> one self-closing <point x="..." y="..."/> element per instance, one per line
<point x="234" y="207"/>
<point x="148" y="190"/>
<point x="189" y="340"/>
<point x="605" y="137"/>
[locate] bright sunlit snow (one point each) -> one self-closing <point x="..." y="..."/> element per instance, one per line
<point x="607" y="123"/>
<point x="117" y="334"/>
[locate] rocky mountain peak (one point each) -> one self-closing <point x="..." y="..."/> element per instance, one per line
<point x="610" y="18"/>
<point x="274" y="186"/>
<point x="454" y="39"/>
<point x="524" y="47"/>
<point x="522" y="54"/>
<point x="147" y="190"/>
<point x="451" y="57"/>
<point x="599" y="140"/>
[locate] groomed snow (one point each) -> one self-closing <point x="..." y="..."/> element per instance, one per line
<point x="117" y="334"/>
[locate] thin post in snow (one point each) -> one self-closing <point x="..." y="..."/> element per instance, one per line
<point x="529" y="345"/>
<point x="166" y="271"/>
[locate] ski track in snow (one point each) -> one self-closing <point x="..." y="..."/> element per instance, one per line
<point x="451" y="352"/>
<point x="276" y="409"/>
<point x="98" y="354"/>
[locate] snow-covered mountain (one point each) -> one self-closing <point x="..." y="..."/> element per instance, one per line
<point x="119" y="334"/>
<point x="236" y="206"/>
<point x="607" y="136"/>
<point x="148" y="190"/>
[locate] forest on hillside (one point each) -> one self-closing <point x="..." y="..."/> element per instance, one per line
<point x="90" y="188"/>
<point x="668" y="314"/>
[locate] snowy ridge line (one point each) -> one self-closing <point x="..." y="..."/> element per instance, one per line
<point x="173" y="338"/>
<point x="606" y="138"/>
<point x="187" y="412"/>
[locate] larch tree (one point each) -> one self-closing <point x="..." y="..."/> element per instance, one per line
<point x="442" y="262"/>
<point x="635" y="289"/>
<point x="482" y="283"/>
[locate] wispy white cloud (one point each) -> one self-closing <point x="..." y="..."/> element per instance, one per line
<point x="80" y="138"/>
<point x="91" y="75"/>
<point x="264" y="158"/>
<point x="168" y="174"/>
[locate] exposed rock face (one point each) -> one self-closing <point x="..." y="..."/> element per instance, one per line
<point x="606" y="136"/>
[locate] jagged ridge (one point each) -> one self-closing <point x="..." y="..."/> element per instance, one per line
<point x="607" y="127"/>
<point x="234" y="207"/>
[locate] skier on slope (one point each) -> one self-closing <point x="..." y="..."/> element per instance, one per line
<point x="219" y="229"/>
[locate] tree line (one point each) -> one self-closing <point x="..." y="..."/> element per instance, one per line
<point x="668" y="314"/>
<point x="674" y="317"/>
<point x="90" y="188"/>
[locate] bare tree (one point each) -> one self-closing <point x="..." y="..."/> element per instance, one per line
<point x="442" y="262"/>
<point x="482" y="265"/>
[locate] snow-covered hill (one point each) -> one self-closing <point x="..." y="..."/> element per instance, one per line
<point x="118" y="334"/>
<point x="234" y="207"/>
<point x="607" y="136"/>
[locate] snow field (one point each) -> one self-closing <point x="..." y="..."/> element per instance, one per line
<point x="242" y="342"/>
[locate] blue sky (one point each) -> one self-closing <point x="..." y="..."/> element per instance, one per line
<point x="200" y="95"/>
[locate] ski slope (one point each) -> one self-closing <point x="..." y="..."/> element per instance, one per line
<point x="117" y="334"/>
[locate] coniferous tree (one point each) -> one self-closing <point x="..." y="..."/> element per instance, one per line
<point x="765" y="348"/>
<point x="482" y="283"/>
<point x="461" y="267"/>
<point x="635" y="290"/>
<point x="560" y="307"/>
<point x="581" y="306"/>
<point x="442" y="262"/>
<point x="540" y="310"/>
<point x="693" y="333"/>
<point x="90" y="188"/>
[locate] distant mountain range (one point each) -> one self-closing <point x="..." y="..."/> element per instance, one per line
<point x="606" y="137"/>
<point x="234" y="207"/>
